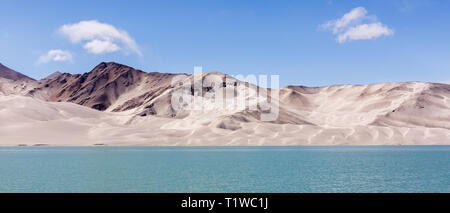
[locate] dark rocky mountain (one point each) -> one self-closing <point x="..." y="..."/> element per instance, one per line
<point x="6" y="72"/>
<point x="111" y="86"/>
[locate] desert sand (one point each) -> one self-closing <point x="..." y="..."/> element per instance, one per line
<point x="30" y="121"/>
<point x="125" y="107"/>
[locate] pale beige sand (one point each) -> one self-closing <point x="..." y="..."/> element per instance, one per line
<point x="382" y="114"/>
<point x="137" y="110"/>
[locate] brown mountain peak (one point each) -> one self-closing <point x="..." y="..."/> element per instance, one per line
<point x="111" y="69"/>
<point x="8" y="73"/>
<point x="110" y="65"/>
<point x="53" y="75"/>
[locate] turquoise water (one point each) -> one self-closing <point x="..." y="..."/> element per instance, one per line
<point x="225" y="169"/>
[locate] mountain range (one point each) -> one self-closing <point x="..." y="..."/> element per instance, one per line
<point x="7" y="73"/>
<point x="114" y="104"/>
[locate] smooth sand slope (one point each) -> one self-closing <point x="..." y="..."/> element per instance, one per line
<point x="338" y="115"/>
<point x="117" y="105"/>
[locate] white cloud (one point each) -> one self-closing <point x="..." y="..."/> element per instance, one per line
<point x="55" y="55"/>
<point x="365" y="32"/>
<point x="99" y="37"/>
<point x="357" y="25"/>
<point x="99" y="46"/>
<point x="352" y="16"/>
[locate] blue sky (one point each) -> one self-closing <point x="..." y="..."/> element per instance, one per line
<point x="298" y="40"/>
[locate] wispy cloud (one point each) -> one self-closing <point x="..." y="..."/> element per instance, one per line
<point x="98" y="38"/>
<point x="55" y="55"/>
<point x="357" y="25"/>
<point x="364" y="32"/>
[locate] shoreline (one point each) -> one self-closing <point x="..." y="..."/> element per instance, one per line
<point x="224" y="146"/>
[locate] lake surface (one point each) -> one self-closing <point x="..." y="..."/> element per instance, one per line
<point x="225" y="169"/>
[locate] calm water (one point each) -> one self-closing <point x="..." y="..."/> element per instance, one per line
<point x="225" y="169"/>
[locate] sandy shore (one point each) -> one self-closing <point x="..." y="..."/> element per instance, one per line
<point x="27" y="121"/>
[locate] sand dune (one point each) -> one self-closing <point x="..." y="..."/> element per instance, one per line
<point x="117" y="105"/>
<point x="27" y="120"/>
